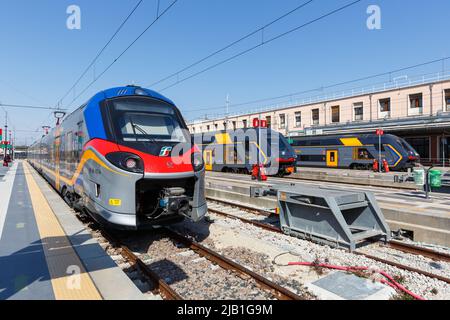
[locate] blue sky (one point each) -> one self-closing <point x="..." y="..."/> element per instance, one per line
<point x="40" y="58"/>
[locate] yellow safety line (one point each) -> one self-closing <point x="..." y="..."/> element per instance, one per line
<point x="62" y="260"/>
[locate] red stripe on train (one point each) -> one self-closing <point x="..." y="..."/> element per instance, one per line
<point x="151" y="163"/>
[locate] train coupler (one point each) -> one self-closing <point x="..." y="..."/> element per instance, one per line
<point x="174" y="200"/>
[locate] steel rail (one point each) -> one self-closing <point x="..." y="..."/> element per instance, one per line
<point x="261" y="212"/>
<point x="278" y="291"/>
<point x="404" y="267"/>
<point x="412" y="249"/>
<point x="255" y="223"/>
<point x="162" y="286"/>
<point x="409" y="248"/>
<point x="394" y="244"/>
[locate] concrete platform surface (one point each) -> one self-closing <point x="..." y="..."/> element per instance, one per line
<point x="45" y="251"/>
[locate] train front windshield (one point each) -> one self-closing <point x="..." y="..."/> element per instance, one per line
<point x="285" y="147"/>
<point x="408" y="147"/>
<point x="280" y="144"/>
<point x="145" y="120"/>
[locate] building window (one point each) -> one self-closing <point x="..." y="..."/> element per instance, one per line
<point x="282" y="121"/>
<point x="415" y="104"/>
<point x="415" y="100"/>
<point x="225" y="125"/>
<point x="244" y="123"/>
<point x="358" y="111"/>
<point x="315" y="116"/>
<point x="385" y="107"/>
<point x="269" y="121"/>
<point x="216" y="126"/>
<point x="447" y="100"/>
<point x="207" y="127"/>
<point x="234" y="125"/>
<point x="298" y="119"/>
<point x="335" y="114"/>
<point x="193" y="129"/>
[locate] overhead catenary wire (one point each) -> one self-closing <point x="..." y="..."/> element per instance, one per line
<point x="124" y="51"/>
<point x="262" y="43"/>
<point x="100" y="52"/>
<point x="7" y="105"/>
<point x="232" y="43"/>
<point x="321" y="88"/>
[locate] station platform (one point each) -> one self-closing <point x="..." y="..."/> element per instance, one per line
<point x="390" y="179"/>
<point x="45" y="251"/>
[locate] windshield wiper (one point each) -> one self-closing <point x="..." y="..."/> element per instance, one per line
<point x="144" y="132"/>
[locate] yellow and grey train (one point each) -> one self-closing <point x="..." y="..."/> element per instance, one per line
<point x="239" y="150"/>
<point x="354" y="151"/>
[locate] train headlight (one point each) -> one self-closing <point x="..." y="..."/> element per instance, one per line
<point x="131" y="163"/>
<point x="126" y="161"/>
<point x="197" y="161"/>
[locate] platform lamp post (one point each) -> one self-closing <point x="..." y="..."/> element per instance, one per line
<point x="11" y="151"/>
<point x="6" y="134"/>
<point x="46" y="128"/>
<point x="444" y="143"/>
<point x="59" y="115"/>
<point x="379" y="132"/>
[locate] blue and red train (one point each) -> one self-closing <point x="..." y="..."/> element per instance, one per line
<point x="126" y="158"/>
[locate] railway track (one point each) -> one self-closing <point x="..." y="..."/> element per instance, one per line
<point x="168" y="293"/>
<point x="397" y="245"/>
<point x="162" y="287"/>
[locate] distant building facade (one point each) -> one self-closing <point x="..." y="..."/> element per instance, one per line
<point x="418" y="111"/>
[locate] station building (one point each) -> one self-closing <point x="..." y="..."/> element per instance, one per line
<point x="415" y="109"/>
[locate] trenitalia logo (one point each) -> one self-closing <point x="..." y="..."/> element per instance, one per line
<point x="165" y="151"/>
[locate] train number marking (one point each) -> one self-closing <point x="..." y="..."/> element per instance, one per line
<point x="94" y="171"/>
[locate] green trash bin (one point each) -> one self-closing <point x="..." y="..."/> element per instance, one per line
<point x="435" y="178"/>
<point x="419" y="176"/>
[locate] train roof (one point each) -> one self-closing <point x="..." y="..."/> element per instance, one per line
<point x="338" y="136"/>
<point x="230" y="131"/>
<point x="132" y="90"/>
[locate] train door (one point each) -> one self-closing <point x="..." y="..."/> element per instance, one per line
<point x="207" y="156"/>
<point x="332" y="158"/>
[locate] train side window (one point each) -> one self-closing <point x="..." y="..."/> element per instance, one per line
<point x="80" y="136"/>
<point x="363" y="154"/>
<point x="312" y="158"/>
<point x="79" y="141"/>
